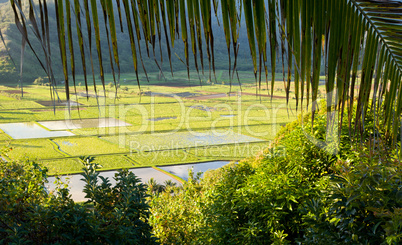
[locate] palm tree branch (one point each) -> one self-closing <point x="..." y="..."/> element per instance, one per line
<point x="341" y="33"/>
<point x="373" y="25"/>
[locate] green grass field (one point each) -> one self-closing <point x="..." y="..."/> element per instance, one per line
<point x="63" y="166"/>
<point x="149" y="113"/>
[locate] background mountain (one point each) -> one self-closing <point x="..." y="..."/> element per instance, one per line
<point x="9" y="74"/>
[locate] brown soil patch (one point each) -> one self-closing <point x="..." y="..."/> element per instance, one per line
<point x="15" y="91"/>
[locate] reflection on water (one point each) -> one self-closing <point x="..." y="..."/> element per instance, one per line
<point x="30" y="130"/>
<point x="182" y="170"/>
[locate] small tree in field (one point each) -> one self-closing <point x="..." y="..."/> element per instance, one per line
<point x="38" y="81"/>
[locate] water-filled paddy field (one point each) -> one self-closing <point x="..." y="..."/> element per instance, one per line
<point x="157" y="126"/>
<point x="30" y="130"/>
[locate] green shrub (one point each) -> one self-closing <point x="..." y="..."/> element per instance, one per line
<point x="310" y="187"/>
<point x="29" y="214"/>
<point x="175" y="213"/>
<point x="259" y="202"/>
<point x="363" y="205"/>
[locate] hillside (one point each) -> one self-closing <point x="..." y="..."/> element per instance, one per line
<point x="32" y="68"/>
<point x="9" y="74"/>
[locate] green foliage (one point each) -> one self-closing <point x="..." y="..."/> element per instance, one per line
<point x="253" y="202"/>
<point x="363" y="205"/>
<point x="29" y="214"/>
<point x="257" y="202"/>
<point x="121" y="209"/>
<point x="175" y="213"/>
<point x="81" y="146"/>
<point x="300" y="190"/>
<point x="154" y="187"/>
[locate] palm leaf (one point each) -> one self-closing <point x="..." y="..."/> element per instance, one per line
<point x="335" y="37"/>
<point x="132" y="38"/>
<point x="77" y="11"/>
<point x="384" y="19"/>
<point x="7" y="50"/>
<point x="95" y="19"/>
<point x="62" y="44"/>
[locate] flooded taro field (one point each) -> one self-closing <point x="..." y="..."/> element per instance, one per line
<point x="160" y="132"/>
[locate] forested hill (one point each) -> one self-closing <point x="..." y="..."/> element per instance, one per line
<point x="31" y="68"/>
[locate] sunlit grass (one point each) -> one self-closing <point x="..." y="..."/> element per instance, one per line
<point x="113" y="162"/>
<point x="32" y="149"/>
<point x="62" y="166"/>
<point x="87" y="145"/>
<point x="163" y="157"/>
<point x="231" y="152"/>
<point x="8" y="116"/>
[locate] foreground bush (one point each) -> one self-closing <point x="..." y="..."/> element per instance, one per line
<point x="363" y="204"/>
<point x="257" y="201"/>
<point x="113" y="215"/>
<point x="297" y="191"/>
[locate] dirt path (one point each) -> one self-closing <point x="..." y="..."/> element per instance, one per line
<point x="14" y="91"/>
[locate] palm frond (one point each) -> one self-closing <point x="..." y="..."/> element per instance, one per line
<point x="337" y="38"/>
<point x="384" y="24"/>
